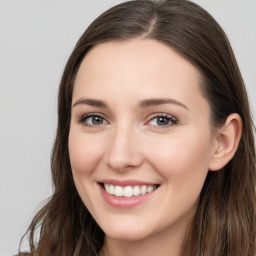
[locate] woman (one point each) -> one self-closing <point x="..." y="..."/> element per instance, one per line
<point x="154" y="153"/>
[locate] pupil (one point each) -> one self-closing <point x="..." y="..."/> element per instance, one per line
<point x="97" y="120"/>
<point x="162" y="121"/>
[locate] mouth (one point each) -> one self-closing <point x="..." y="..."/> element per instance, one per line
<point x="128" y="191"/>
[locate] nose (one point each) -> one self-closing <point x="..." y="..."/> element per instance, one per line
<point x="123" y="150"/>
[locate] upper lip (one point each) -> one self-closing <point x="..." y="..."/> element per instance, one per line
<point x="123" y="183"/>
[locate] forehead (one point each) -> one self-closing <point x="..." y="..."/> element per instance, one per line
<point x="134" y="67"/>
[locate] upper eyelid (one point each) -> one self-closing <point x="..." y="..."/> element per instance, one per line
<point x="162" y="114"/>
<point x="172" y="118"/>
<point x="81" y="117"/>
<point x="93" y="114"/>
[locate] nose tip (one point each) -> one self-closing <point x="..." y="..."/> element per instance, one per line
<point x="123" y="152"/>
<point x="119" y="164"/>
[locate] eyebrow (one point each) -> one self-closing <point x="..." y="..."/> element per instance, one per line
<point x="159" y="101"/>
<point x="142" y="104"/>
<point x="90" y="102"/>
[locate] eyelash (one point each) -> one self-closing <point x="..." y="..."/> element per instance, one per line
<point x="83" y="119"/>
<point x="169" y="118"/>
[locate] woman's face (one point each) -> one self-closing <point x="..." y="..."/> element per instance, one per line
<point x="140" y="139"/>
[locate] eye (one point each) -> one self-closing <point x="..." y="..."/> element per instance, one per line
<point x="92" y="120"/>
<point x="163" y="120"/>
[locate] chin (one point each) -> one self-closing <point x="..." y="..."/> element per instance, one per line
<point x="126" y="232"/>
<point x="126" y="236"/>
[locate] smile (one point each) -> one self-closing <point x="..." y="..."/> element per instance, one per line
<point x="127" y="194"/>
<point x="128" y="191"/>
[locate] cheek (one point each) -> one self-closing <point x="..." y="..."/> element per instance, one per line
<point x="183" y="164"/>
<point x="84" y="153"/>
<point x="181" y="158"/>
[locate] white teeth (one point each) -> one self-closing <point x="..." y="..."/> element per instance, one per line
<point x="119" y="191"/>
<point x="106" y="186"/>
<point x="143" y="190"/>
<point x="111" y="190"/>
<point x="150" y="188"/>
<point x="136" y="191"/>
<point x="128" y="191"/>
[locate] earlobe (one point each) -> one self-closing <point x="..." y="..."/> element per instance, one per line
<point x="227" y="141"/>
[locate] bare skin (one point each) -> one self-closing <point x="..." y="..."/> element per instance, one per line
<point x="138" y="115"/>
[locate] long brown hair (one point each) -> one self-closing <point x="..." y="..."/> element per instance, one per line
<point x="224" y="224"/>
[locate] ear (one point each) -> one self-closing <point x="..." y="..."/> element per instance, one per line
<point x="226" y="142"/>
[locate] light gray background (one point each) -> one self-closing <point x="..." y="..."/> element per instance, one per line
<point x="36" y="38"/>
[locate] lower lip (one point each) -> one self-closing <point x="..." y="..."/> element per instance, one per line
<point x="125" y="202"/>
